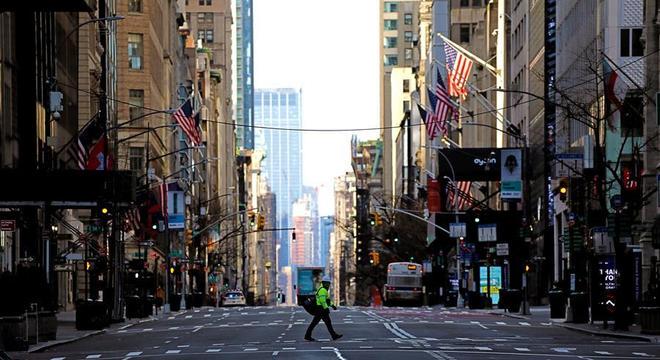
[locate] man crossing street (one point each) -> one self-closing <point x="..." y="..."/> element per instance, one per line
<point x="323" y="304"/>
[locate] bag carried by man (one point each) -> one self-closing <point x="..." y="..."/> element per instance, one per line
<point x="310" y="304"/>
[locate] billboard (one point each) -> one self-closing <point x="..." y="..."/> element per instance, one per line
<point x="511" y="173"/>
<point x="495" y="282"/>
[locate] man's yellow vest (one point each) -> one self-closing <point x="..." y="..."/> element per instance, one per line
<point x="323" y="298"/>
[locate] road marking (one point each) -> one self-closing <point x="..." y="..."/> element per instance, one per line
<point x="439" y="355"/>
<point x="197" y="328"/>
<point x="288" y="348"/>
<point x="339" y="355"/>
<point x="172" y="351"/>
<point x="562" y="350"/>
<point x="168" y="341"/>
<point x="174" y="328"/>
<point x="250" y="349"/>
<point x="121" y="331"/>
<point x="603" y="353"/>
<point x="145" y="330"/>
<point x="483" y="348"/>
<point x="522" y="349"/>
<point x="207" y="315"/>
<point x="183" y="346"/>
<point x="171" y="318"/>
<point x="500" y="323"/>
<point x="641" y="354"/>
<point x="219" y="344"/>
<point x="188" y="316"/>
<point x="366" y="347"/>
<point x="213" y="350"/>
<point x="289" y="341"/>
<point x="483" y="326"/>
<point x="449" y="321"/>
<point x="275" y="353"/>
<point x="95" y="356"/>
<point x="58" y="358"/>
<point x="125" y="326"/>
<point x="134" y="353"/>
<point x="524" y="323"/>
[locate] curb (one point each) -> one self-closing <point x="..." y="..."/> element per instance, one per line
<point x="607" y="334"/>
<point x="40" y="348"/>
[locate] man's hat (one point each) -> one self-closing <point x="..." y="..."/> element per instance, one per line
<point x="326" y="278"/>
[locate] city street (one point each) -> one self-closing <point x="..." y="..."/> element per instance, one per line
<point x="387" y="333"/>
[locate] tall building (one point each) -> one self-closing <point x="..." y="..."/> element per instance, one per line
<point x="302" y="250"/>
<point x="243" y="71"/>
<point x="342" y="246"/>
<point x="399" y="22"/>
<point x="283" y="149"/>
<point x="326" y="227"/>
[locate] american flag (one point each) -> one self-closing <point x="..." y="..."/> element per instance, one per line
<point x="162" y="199"/>
<point x="427" y="117"/>
<point x="184" y="117"/>
<point x="444" y="106"/>
<point x="132" y="220"/>
<point x="78" y="153"/>
<point x="463" y="195"/>
<point x="434" y="119"/>
<point x="459" y="68"/>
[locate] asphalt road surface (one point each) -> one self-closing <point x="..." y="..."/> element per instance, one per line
<point x="379" y="334"/>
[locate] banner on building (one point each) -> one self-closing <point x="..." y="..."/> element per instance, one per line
<point x="176" y="208"/>
<point x="511" y="173"/>
<point x="433" y="195"/>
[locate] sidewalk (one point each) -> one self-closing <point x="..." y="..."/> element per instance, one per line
<point x="67" y="332"/>
<point x="542" y="313"/>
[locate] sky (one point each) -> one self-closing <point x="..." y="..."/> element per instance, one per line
<point x="329" y="49"/>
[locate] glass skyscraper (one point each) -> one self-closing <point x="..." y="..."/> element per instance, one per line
<point x="281" y="108"/>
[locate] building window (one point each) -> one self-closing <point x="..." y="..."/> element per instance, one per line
<point x="209" y="17"/>
<point x="209" y="2"/>
<point x="136" y="103"/>
<point x="209" y="36"/>
<point x="406" y="105"/>
<point x="631" y="42"/>
<point x="390" y="24"/>
<point x="465" y="3"/>
<point x="406" y="86"/>
<point x="391" y="7"/>
<point x="201" y="2"/>
<point x="407" y="36"/>
<point x="135" y="51"/>
<point x="136" y="159"/>
<point x="391" y="60"/>
<point x="477" y="3"/>
<point x="134" y="5"/>
<point x="632" y="115"/>
<point x="389" y="42"/>
<point x="201" y="34"/>
<point x="408" y="54"/>
<point x="464" y="35"/>
<point x="200" y="17"/>
<point x="407" y="18"/>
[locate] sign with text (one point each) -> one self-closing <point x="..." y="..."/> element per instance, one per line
<point x="175" y="208"/>
<point x="569" y="165"/>
<point x="503" y="249"/>
<point x="495" y="280"/>
<point x="608" y="277"/>
<point x="487" y="232"/>
<point x="457" y="230"/>
<point x="511" y="173"/>
<point x="7" y="225"/>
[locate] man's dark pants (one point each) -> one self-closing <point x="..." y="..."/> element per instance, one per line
<point x="321" y="314"/>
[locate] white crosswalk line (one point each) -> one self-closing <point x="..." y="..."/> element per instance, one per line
<point x="172" y="351"/>
<point x="213" y="350"/>
<point x="500" y="323"/>
<point x="483" y="348"/>
<point x="95" y="356"/>
<point x="134" y="353"/>
<point x="288" y="348"/>
<point x="58" y="358"/>
<point x="522" y="349"/>
<point x="524" y="323"/>
<point x="603" y="353"/>
<point x="641" y="354"/>
<point x="563" y="350"/>
<point x="250" y="349"/>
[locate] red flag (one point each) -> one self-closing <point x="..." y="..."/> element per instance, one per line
<point x="96" y="158"/>
<point x="459" y="68"/>
<point x="433" y="195"/>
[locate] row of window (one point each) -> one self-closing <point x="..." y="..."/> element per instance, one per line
<point x="393" y="59"/>
<point x="392" y="24"/>
<point x="205" y="35"/>
<point x="472" y="3"/>
<point x="390" y="42"/>
<point x="203" y="2"/>
<point x="205" y="17"/>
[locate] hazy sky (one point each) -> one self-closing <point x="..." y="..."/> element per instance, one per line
<point x="329" y="49"/>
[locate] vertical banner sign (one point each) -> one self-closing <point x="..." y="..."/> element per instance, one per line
<point x="433" y="195"/>
<point x="608" y="277"/>
<point x="175" y="210"/>
<point x="495" y="282"/>
<point x="511" y="173"/>
<point x="637" y="275"/>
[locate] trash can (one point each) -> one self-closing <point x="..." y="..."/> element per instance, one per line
<point x="649" y="318"/>
<point x="175" y="302"/>
<point x="148" y="305"/>
<point x="514" y="299"/>
<point x="579" y="307"/>
<point x="91" y="315"/>
<point x="134" y="307"/>
<point x="504" y="298"/>
<point x="557" y="304"/>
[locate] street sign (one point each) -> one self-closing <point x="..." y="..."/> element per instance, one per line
<point x="487" y="232"/>
<point x="7" y="225"/>
<point x="457" y="230"/>
<point x="569" y="165"/>
<point x="63" y="267"/>
<point x="503" y="249"/>
<point x="602" y="243"/>
<point x="74" y="256"/>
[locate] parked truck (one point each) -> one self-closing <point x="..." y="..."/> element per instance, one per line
<point x="308" y="280"/>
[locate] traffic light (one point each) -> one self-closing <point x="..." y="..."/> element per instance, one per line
<point x="104" y="211"/>
<point x="372" y="219"/>
<point x="261" y="222"/>
<point x="374" y="258"/>
<point x="563" y="189"/>
<point x="252" y="220"/>
<point x="379" y="219"/>
<point x="188" y="236"/>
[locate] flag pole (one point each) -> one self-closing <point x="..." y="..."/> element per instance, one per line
<point x="617" y="68"/>
<point x="474" y="57"/>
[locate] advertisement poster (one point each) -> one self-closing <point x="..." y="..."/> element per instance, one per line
<point x="495" y="282"/>
<point x="511" y="178"/>
<point x="175" y="210"/>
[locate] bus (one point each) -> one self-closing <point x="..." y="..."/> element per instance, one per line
<point x="404" y="284"/>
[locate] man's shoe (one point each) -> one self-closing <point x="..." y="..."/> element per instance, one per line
<point x="309" y="338"/>
<point x="336" y="336"/>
